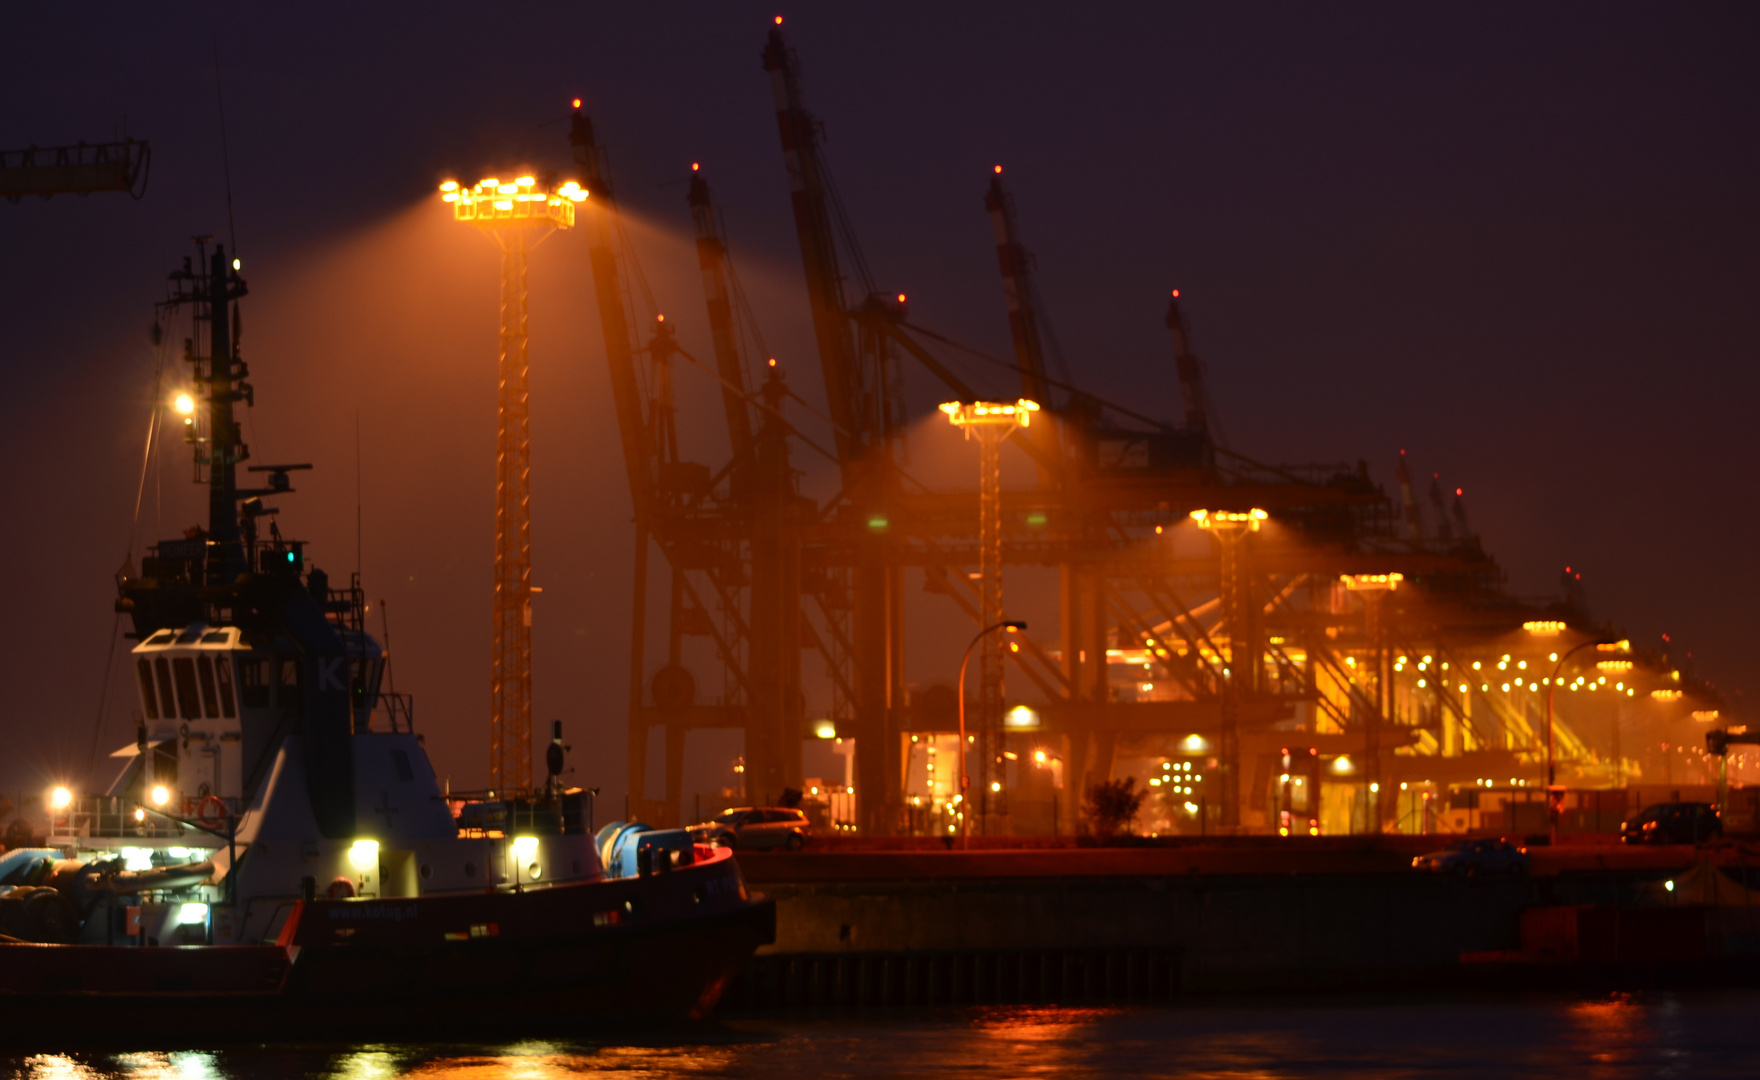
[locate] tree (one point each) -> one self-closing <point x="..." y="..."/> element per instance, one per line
<point x="1111" y="806"/>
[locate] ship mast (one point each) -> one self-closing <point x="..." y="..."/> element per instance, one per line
<point x="219" y="377"/>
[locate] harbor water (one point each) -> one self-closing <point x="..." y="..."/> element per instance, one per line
<point x="1587" y="1038"/>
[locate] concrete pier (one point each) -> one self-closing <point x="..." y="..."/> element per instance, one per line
<point x="924" y="926"/>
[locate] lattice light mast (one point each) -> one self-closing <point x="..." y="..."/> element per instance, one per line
<point x="1374" y="588"/>
<point x="1230" y="527"/>
<point x="989" y="422"/>
<point x="518" y="216"/>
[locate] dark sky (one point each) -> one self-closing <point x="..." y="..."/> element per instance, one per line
<point x="1520" y="242"/>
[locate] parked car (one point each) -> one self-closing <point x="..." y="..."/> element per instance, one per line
<point x="756" y="828"/>
<point x="1482" y="856"/>
<point x="1673" y="823"/>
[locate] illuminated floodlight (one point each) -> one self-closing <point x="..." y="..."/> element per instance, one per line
<point x="824" y="729"/>
<point x="525" y="847"/>
<point x="1371" y="582"/>
<point x="1021" y="718"/>
<point x="1666" y="695"/>
<point x="491" y="203"/>
<point x="192" y="915"/>
<point x="61" y="798"/>
<point x="1230" y="519"/>
<point x="160" y="794"/>
<point x="363" y="855"/>
<point x="1195" y="743"/>
<point x="1544" y="627"/>
<point x="990" y="413"/>
<point x="184" y="403"/>
<point x="1705" y="716"/>
<point x="1343" y="764"/>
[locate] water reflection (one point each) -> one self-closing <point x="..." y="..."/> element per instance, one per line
<point x="1605" y="1037"/>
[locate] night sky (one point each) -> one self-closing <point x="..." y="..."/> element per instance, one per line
<point x="1521" y="243"/>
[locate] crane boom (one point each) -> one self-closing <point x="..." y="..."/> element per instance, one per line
<point x="626" y="392"/>
<point x="812" y="220"/>
<point x="1191" y="371"/>
<point x="75" y="170"/>
<point x="1023" y="326"/>
<point x="712" y="258"/>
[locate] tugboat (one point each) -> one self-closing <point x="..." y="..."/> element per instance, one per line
<point x="276" y="855"/>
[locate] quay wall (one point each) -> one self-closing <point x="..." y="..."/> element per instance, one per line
<point x="910" y="927"/>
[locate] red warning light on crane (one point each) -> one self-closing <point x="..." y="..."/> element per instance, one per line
<point x="773" y="361"/>
<point x="577" y="103"/>
<point x="662" y="318"/>
<point x="1176" y="294"/>
<point x="999" y="170"/>
<point x="901" y="298"/>
<point x="695" y="166"/>
<point x="778" y="20"/>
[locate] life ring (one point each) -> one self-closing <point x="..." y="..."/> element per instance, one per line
<point x="211" y="811"/>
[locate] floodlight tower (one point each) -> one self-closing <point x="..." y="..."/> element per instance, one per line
<point x="989" y="422"/>
<point x="1373" y="588"/>
<point x="1241" y="676"/>
<point x="517" y="216"/>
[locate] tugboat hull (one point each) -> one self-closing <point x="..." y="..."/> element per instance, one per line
<point x="541" y="961"/>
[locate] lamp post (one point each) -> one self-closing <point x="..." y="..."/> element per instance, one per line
<point x="1373" y="587"/>
<point x="1013" y="626"/>
<point x="989" y="422"/>
<point x="1555" y="799"/>
<point x="1230" y="527"/>
<point x="517" y="216"/>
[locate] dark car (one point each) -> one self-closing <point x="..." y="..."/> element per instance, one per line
<point x="1673" y="823"/>
<point x="1482" y="856"/>
<point x="756" y="828"/>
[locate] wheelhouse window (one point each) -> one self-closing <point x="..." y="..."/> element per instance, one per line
<point x="253" y="681"/>
<point x="149" y="700"/>
<point x="288" y="690"/>
<point x="210" y="696"/>
<point x="223" y="673"/>
<point x="167" y="696"/>
<point x="184" y="669"/>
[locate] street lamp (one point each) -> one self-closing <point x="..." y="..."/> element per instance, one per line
<point x="1555" y="799"/>
<point x="1013" y="626"/>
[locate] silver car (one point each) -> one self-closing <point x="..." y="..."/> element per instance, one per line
<point x="756" y="829"/>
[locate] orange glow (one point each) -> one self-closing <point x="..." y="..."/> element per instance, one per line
<point x="695" y="166"/>
<point x="662" y="318"/>
<point x="999" y="170"/>
<point x="1176" y="294"/>
<point x="901" y="298"/>
<point x="1157" y="530"/>
<point x="577" y="103"/>
<point x="778" y="20"/>
<point x="773" y="361"/>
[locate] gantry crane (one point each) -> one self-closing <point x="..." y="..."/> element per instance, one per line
<point x="1280" y="646"/>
